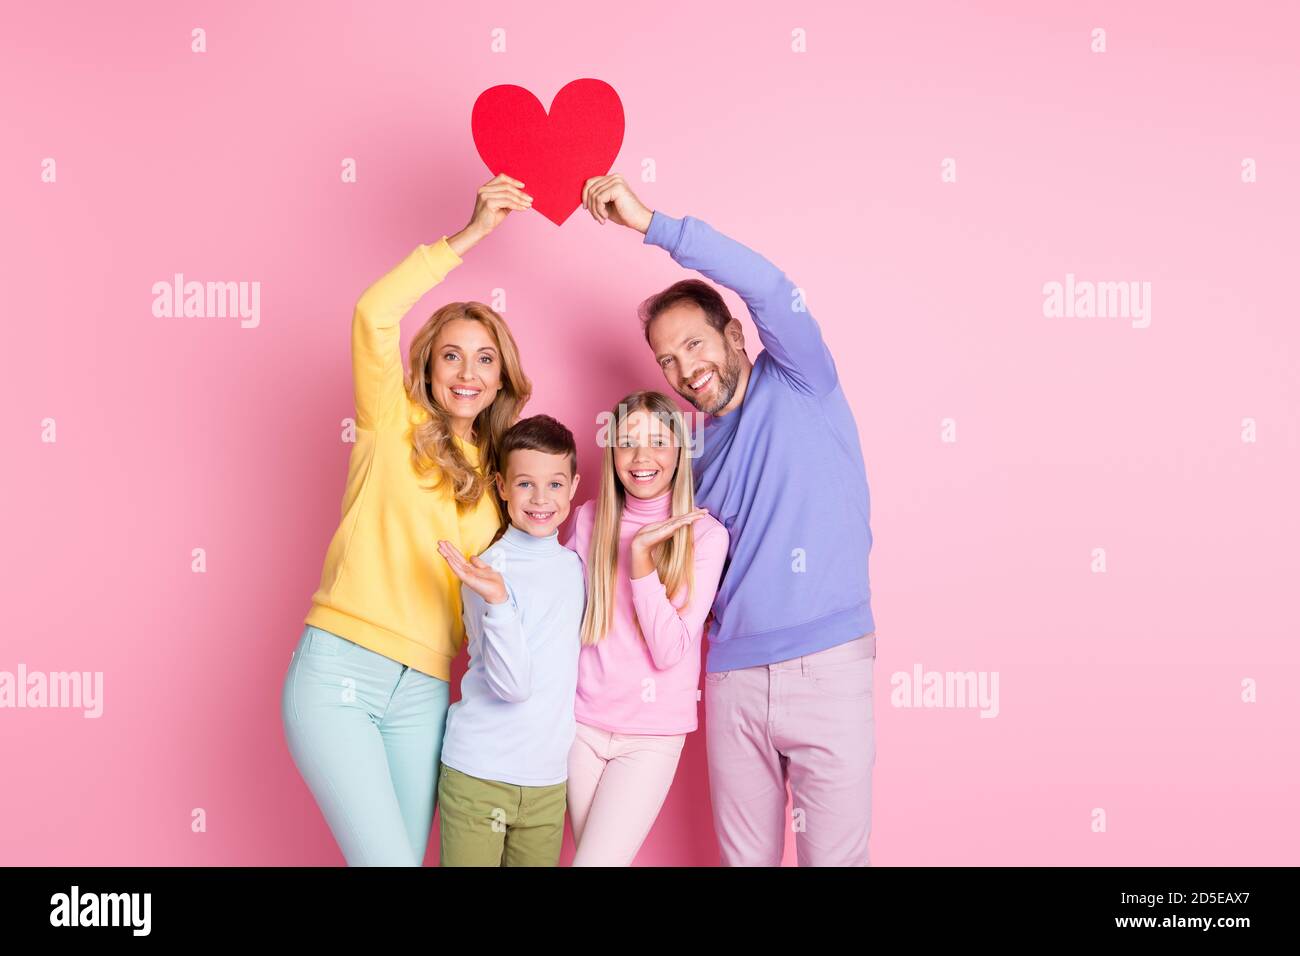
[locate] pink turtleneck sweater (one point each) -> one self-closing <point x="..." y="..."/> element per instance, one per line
<point x="630" y="686"/>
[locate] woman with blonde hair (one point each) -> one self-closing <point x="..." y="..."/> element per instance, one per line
<point x="365" y="699"/>
<point x="652" y="562"/>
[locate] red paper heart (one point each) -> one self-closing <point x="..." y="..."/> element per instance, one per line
<point x="555" y="154"/>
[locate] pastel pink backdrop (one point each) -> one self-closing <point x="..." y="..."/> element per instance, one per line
<point x="1119" y="691"/>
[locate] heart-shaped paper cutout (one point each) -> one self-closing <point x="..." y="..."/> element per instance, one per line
<point x="552" y="154"/>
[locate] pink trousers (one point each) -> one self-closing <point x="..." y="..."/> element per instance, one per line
<point x="617" y="785"/>
<point x="808" y="721"/>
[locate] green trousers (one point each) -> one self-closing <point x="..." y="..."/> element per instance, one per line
<point x="488" y="823"/>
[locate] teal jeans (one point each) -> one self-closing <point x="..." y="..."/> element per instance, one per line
<point x="366" y="734"/>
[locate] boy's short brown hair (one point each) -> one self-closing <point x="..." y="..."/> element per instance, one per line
<point x="539" y="433"/>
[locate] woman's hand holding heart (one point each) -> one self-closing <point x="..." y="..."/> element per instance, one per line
<point x="494" y="201"/>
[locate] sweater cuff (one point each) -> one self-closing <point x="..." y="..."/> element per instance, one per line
<point x="503" y="611"/>
<point x="648" y="585"/>
<point x="440" y="258"/>
<point x="664" y="232"/>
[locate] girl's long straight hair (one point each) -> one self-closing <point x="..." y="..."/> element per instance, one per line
<point x="674" y="559"/>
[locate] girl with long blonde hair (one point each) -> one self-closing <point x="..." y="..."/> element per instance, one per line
<point x="364" y="702"/>
<point x="652" y="562"/>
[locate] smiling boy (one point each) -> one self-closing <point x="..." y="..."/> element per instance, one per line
<point x="501" y="789"/>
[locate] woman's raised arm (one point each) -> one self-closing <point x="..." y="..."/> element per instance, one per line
<point x="377" y="378"/>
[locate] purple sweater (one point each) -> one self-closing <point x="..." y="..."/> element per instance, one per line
<point x="783" y="472"/>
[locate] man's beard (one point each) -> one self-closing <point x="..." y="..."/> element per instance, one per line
<point x="728" y="378"/>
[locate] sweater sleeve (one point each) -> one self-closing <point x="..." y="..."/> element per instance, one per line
<point x="377" y="378"/>
<point x="507" y="664"/>
<point x="785" y="326"/>
<point x="672" y="634"/>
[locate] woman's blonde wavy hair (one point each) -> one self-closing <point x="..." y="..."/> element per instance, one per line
<point x="432" y="447"/>
<point x="674" y="559"/>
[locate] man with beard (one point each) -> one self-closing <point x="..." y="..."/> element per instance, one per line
<point x="788" y="682"/>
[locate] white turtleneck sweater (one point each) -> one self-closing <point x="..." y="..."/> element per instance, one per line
<point x="514" y="721"/>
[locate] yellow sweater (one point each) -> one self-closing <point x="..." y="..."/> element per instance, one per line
<point x="384" y="585"/>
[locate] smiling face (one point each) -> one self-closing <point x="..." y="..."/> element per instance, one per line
<point x="645" y="454"/>
<point x="466" y="372"/>
<point x="701" y="364"/>
<point x="538" y="488"/>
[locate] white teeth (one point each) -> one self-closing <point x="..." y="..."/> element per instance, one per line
<point x="700" y="383"/>
<point x="465" y="392"/>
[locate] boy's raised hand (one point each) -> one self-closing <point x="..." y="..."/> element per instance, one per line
<point x="476" y="574"/>
<point x="610" y="197"/>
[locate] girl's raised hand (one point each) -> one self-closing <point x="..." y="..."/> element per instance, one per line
<point x="479" y="576"/>
<point x="651" y="534"/>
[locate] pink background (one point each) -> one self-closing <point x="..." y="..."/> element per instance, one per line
<point x="1119" y="690"/>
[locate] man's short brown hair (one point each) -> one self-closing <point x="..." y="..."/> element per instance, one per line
<point x="687" y="290"/>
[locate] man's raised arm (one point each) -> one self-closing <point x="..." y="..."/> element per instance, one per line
<point x="785" y="326"/>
